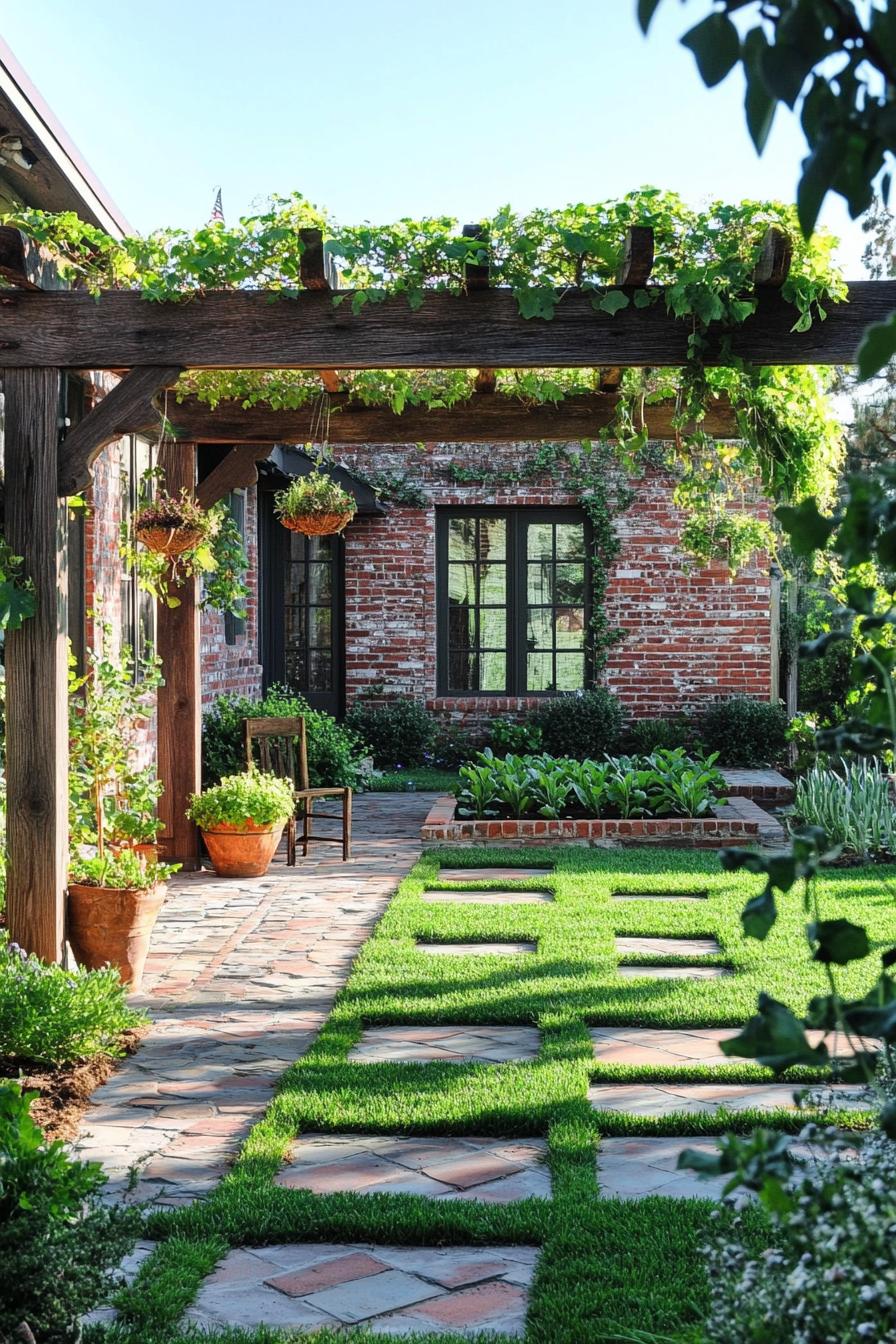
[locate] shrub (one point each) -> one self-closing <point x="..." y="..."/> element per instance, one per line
<point x="824" y="683"/>
<point x="509" y="736"/>
<point x="852" y="806"/>
<point x="745" y="732"/>
<point x="453" y="746"/>
<point x="252" y="796"/>
<point x="399" y="732"/>
<point x="334" y="751"/>
<point x="54" y="1016"/>
<point x="583" y="725"/>
<point x="646" y="735"/>
<point x="59" y="1245"/>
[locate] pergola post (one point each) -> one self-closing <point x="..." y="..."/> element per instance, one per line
<point x="36" y="669"/>
<point x="180" y="698"/>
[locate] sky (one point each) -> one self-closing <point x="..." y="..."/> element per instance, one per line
<point x="377" y="109"/>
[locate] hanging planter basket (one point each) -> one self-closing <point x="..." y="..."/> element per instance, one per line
<point x="315" y="504"/>
<point x="318" y="524"/>
<point x="168" y="540"/>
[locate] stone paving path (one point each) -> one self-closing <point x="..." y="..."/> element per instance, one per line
<point x="667" y="947"/>
<point x="497" y="1171"/>
<point x="707" y="1098"/>
<point x="487" y="897"/>
<point x="240" y="978"/>
<point x="496" y="874"/>
<point x="392" y="1290"/>
<point x="450" y="1045"/>
<point x="477" y="949"/>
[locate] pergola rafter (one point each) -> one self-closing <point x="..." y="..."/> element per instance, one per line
<point x="42" y="333"/>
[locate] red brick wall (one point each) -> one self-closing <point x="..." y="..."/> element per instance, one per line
<point x="234" y="668"/>
<point x="691" y="635"/>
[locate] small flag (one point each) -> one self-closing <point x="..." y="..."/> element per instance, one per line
<point x="217" y="215"/>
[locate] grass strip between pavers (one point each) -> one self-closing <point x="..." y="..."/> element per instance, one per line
<point x="608" y="1268"/>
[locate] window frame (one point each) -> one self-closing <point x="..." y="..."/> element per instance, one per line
<point x="516" y="519"/>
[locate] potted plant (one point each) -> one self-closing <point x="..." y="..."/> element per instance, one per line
<point x="242" y="820"/>
<point x="131" y="822"/>
<point x="113" y="898"/>
<point x="314" y="504"/>
<point x="171" y="524"/>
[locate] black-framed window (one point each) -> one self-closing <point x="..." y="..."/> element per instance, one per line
<point x="513" y="601"/>
<point x="235" y="626"/>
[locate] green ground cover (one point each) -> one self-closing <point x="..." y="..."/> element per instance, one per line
<point x="609" y="1270"/>
<point x="422" y="777"/>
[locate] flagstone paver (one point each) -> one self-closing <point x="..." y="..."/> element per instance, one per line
<point x="666" y="947"/>
<point x="675" y="1046"/>
<point x="708" y="1098"/>
<point x="448" y="1045"/>
<point x="673" y="972"/>
<point x="391" y="1290"/>
<point x="487" y="897"/>
<point x="659" y="895"/>
<point x="496" y="1171"/>
<point x="496" y="874"/>
<point x="635" y="1168"/>
<point x="477" y="949"/>
<point x="240" y="978"/>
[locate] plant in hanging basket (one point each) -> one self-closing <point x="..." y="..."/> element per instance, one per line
<point x="171" y="524"/>
<point x="314" y="504"/>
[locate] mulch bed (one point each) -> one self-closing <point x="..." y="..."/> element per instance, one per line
<point x="64" y="1093"/>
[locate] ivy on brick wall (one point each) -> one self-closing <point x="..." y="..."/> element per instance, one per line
<point x="589" y="470"/>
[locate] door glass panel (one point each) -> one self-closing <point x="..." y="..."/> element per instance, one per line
<point x="319" y="582"/>
<point x="462" y="539"/>
<point x="570" y="585"/>
<point x="570" y="627"/>
<point x="310" y="631"/>
<point x="321" y="670"/>
<point x="570" y="541"/>
<point x="492" y="584"/>
<point x="540" y="586"/>
<point x="462" y="583"/>
<point x="321" y="625"/>
<point x="540" y="629"/>
<point x="492" y="540"/>
<point x="540" y="541"/>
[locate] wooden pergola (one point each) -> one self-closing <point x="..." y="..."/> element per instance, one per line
<point x="44" y="331"/>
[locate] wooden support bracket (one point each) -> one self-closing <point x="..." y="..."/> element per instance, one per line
<point x="127" y="409"/>
<point x="236" y="471"/>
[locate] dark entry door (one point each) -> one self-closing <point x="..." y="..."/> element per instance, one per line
<point x="303" y="616"/>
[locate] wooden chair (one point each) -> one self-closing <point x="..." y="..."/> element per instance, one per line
<point x="283" y="750"/>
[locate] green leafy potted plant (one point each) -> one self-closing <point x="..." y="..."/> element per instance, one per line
<point x="131" y="821"/>
<point x="113" y="898"/>
<point x="242" y="820"/>
<point x="314" y="504"/>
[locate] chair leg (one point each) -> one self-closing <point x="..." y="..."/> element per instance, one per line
<point x="346" y="826"/>
<point x="291" y="842"/>
<point x="306" y="825"/>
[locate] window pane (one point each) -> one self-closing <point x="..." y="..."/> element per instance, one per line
<point x="570" y="541"/>
<point x="296" y="545"/>
<point x="492" y="539"/>
<point x="295" y="667"/>
<point x="539" y="672"/>
<point x="321" y="671"/>
<point x="320" y="548"/>
<point x="540" y="541"/>
<point x="540" y="628"/>
<point x="570" y="671"/>
<point x="461" y="538"/>
<point x="570" y="627"/>
<point x="462" y="627"/>
<point x="540" y="588"/>
<point x="462" y="583"/>
<point x="570" y="585"/>
<point x="463" y="670"/>
<point x="493" y="628"/>
<point x="493" y="583"/>
<point x="319" y="583"/>
<point x="295" y="624"/>
<point x="494" y="671"/>
<point x="320" y="626"/>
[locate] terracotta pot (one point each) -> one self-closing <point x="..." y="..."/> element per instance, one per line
<point x="113" y="925"/>
<point x="148" y="852"/>
<point x="168" y="540"/>
<point x="242" y="851"/>
<point x="318" y="524"/>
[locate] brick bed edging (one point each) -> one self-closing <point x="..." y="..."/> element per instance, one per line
<point x="443" y="828"/>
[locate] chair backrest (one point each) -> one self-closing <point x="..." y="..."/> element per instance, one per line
<point x="282" y="747"/>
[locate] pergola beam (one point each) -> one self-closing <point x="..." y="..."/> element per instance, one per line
<point x="481" y="329"/>
<point x="484" y="418"/>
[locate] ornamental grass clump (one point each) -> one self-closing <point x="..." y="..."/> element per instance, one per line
<point x="852" y="805"/>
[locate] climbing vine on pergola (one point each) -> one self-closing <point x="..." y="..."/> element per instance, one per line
<point x="641" y="284"/>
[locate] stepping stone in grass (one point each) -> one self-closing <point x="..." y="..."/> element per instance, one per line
<point x="495" y="1171"/>
<point x="399" y="1288"/>
<point x="673" y="972"/>
<point x="676" y="1046"/>
<point x="666" y="947"/>
<point x="497" y="874"/>
<point x="708" y="1098"/>
<point x="448" y="1045"/>
<point x="660" y="895"/>
<point x="635" y="1168"/>
<point x="477" y="949"/>
<point x="487" y="897"/>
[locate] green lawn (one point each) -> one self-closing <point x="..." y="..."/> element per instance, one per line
<point x="424" y="780"/>
<point x="608" y="1269"/>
